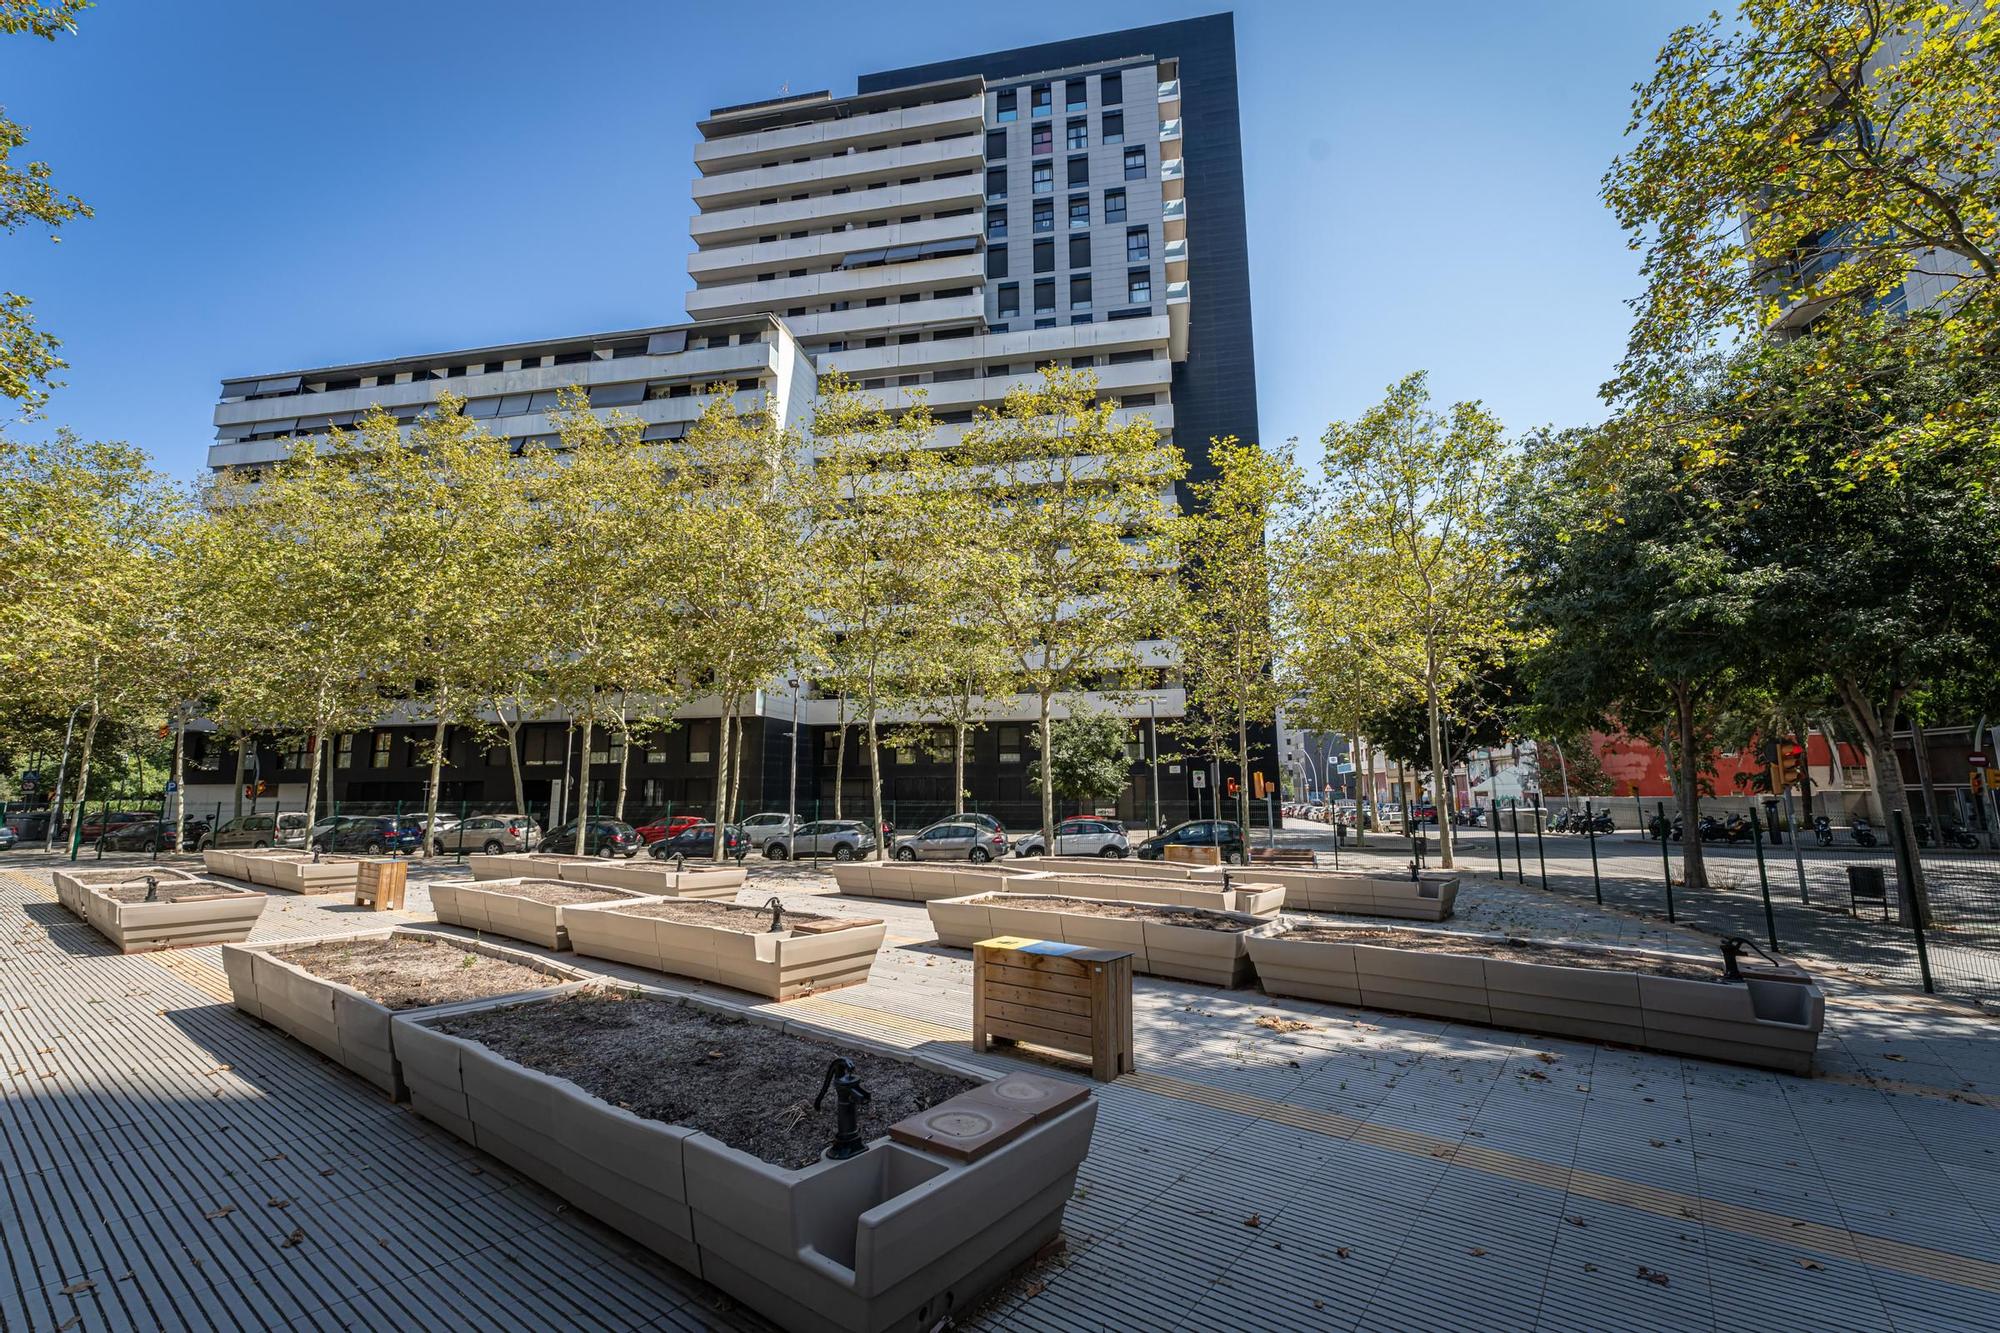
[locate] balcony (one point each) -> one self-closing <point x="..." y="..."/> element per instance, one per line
<point x="1022" y="347"/>
<point x="1176" y="253"/>
<point x="1173" y="178"/>
<point x="742" y="298"/>
<point x="739" y="224"/>
<point x="739" y="261"/>
<point x="872" y="130"/>
<point x="1170" y="130"/>
<point x="902" y="316"/>
<point x="854" y="170"/>
<point x="1179" y="307"/>
<point x="1173" y="219"/>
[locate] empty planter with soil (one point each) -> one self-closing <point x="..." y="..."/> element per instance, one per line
<point x="731" y="945"/>
<point x="147" y="909"/>
<point x="692" y="1129"/>
<point x="535" y="910"/>
<point x="337" y="993"/>
<point x="1430" y="897"/>
<point x="1638" y="997"/>
<point x="1183" y="942"/>
<point x="921" y="883"/>
<point x="72" y="885"/>
<point x="521" y="865"/>
<point x="291" y="872"/>
<point x="659" y="879"/>
<point x="1250" y="895"/>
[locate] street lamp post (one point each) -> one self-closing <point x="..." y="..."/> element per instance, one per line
<point x="1153" y="703"/>
<point x="792" y="785"/>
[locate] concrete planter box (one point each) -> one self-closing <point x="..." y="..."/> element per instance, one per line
<point x="1771" y="1019"/>
<point x="287" y="871"/>
<point x="1188" y="953"/>
<point x="228" y="864"/>
<point x="218" y="914"/>
<point x="779" y="965"/>
<point x="496" y="907"/>
<point x="72" y="886"/>
<point x="1130" y="865"/>
<point x="340" y="1022"/>
<point x="658" y="879"/>
<point x="247" y="863"/>
<point x="899" y="1237"/>
<point x="1250" y="898"/>
<point x="1359" y="893"/>
<point x="921" y="883"/>
<point x="521" y="865"/>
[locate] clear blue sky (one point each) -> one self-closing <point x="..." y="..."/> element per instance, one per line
<point x="290" y="184"/>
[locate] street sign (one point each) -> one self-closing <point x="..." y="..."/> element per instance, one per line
<point x="172" y="786"/>
<point x="1976" y="760"/>
<point x="1200" y="779"/>
<point x="1344" y="766"/>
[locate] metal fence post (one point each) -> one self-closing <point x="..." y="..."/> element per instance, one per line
<point x="1764" y="880"/>
<point x="1590" y="825"/>
<point x="1541" y="855"/>
<point x="1499" y="853"/>
<point x="1906" y="873"/>
<point x="1666" y="863"/>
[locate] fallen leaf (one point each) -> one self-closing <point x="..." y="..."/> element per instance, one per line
<point x="296" y="1238"/>
<point x="275" y="1157"/>
<point x="84" y="1284"/>
<point x="1033" y="1289"/>
<point x="476" y="1169"/>
<point x="326" y="1170"/>
<point x="1807" y="1263"/>
<point x="1476" y="1252"/>
<point x="45" y="1050"/>
<point x="1545" y="1057"/>
<point x="1577" y="1221"/>
<point x="1538" y="1074"/>
<point x="69" y="1323"/>
<point x="223" y="1211"/>
<point x="278" y="1203"/>
<point x="1897" y="1058"/>
<point x="1254" y="1220"/>
<point x="1590" y="1268"/>
<point x="1276" y="1024"/>
<point x="1318" y="1304"/>
<point x="1649" y="1275"/>
<point x="1657" y="1143"/>
<point x="1342" y="1252"/>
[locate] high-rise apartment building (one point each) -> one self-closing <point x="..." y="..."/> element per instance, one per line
<point x="951" y="228"/>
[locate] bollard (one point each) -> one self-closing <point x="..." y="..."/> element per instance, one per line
<point x="1764" y="880"/>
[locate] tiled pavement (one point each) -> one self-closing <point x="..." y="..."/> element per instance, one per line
<point x="1371" y="1171"/>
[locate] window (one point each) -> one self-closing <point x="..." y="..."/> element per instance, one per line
<point x="996" y="182"/>
<point x="1044" y="177"/>
<point x="1079" y="172"/>
<point x="344" y="751"/>
<point x="1076" y="94"/>
<point x="996" y="145"/>
<point x="1111" y="90"/>
<point x="1079" y="291"/>
<point x="1042" y="139"/>
<point x="1079" y="136"/>
<point x="1045" y="296"/>
<point x="1136" y="400"/>
<point x="1041" y="101"/>
<point x="1139" y="286"/>
<point x="1010" y="745"/>
<point x="1003" y="107"/>
<point x="1045" y="215"/>
<point x="1079" y="210"/>
<point x="1138" y="245"/>
<point x="996" y="261"/>
<point x="1114" y="127"/>
<point x="1114" y="205"/>
<point x="996" y="224"/>
<point x="1045" y="256"/>
<point x="1079" y="252"/>
<point x="380" y="747"/>
<point x="298" y="753"/>
<point x="1131" y="358"/>
<point x="1135" y="163"/>
<point x="701" y="735"/>
<point x="1010" y="299"/>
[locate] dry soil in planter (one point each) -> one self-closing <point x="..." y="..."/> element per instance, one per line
<point x="1194" y="918"/>
<point x="748" y="1084"/>
<point x="725" y="916"/>
<point x="1513" y="951"/>
<point x="171" y="891"/>
<point x="399" y="972"/>
<point x="550" y="892"/>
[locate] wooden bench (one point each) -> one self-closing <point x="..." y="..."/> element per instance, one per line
<point x="380" y="885"/>
<point x="1063" y="996"/>
<point x="1283" y="856"/>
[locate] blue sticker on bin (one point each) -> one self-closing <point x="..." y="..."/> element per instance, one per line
<point x="1051" y="946"/>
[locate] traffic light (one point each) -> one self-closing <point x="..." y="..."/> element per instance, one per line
<point x="1977" y="781"/>
<point x="1234" y="786"/>
<point x="1259" y="785"/>
<point x="1791" y="759"/>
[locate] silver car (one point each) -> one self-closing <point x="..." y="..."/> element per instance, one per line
<point x="1081" y="836"/>
<point x="841" y="839"/>
<point x="283" y="829"/>
<point x="490" y="834"/>
<point x="760" y="829"/>
<point x="951" y="841"/>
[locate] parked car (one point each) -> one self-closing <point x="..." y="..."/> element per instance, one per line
<point x="842" y="839"/>
<point x="151" y="835"/>
<point x="372" y="835"/>
<point x="1083" y="835"/>
<point x="952" y="840"/>
<point x="284" y="828"/>
<point x="1224" y="834"/>
<point x="607" y="838"/>
<point x="97" y="825"/>
<point x="698" y="843"/>
<point x="761" y="828"/>
<point x="664" y="827"/>
<point x="445" y="823"/>
<point x="8" y="837"/>
<point x="489" y="834"/>
<point x="30" y="825"/>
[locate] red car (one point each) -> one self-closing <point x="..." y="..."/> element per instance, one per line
<point x="666" y="828"/>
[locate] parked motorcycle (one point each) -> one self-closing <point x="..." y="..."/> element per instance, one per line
<point x="1862" y="832"/>
<point x="1736" y="828"/>
<point x="1560" y="824"/>
<point x="1961" y="837"/>
<point x="1711" y="829"/>
<point x="1823" y="831"/>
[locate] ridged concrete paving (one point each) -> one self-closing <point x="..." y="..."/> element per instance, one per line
<point x="1365" y="1171"/>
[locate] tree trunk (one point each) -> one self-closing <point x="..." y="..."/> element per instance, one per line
<point x="1047" y="733"/>
<point x="177" y="808"/>
<point x="840" y="757"/>
<point x="1403" y="786"/>
<point x="440" y="733"/>
<point x="736" y="769"/>
<point x="1243" y="778"/>
<point x="1836" y="771"/>
<point x="1694" y="871"/>
<point x="583" y="788"/>
<point x="1364" y="790"/>
<point x="1802" y="737"/>
<point x="1920" y="746"/>
<point x="624" y="762"/>
<point x="722" y="777"/>
<point x="83" y="778"/>
<point x="1673" y="757"/>
<point x="332" y="799"/>
<point x="958" y="792"/>
<point x="875" y="777"/>
<point x="1885" y="775"/>
<point x="1437" y="780"/>
<point x="242" y="774"/>
<point x="513" y="730"/>
<point x="312" y="782"/>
